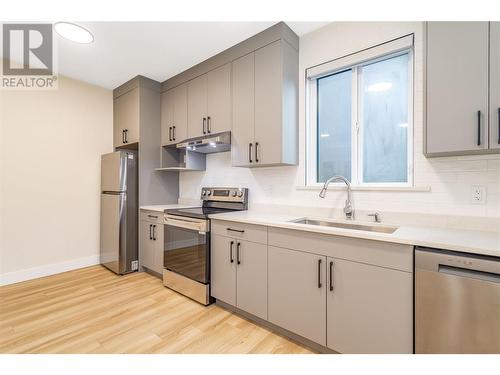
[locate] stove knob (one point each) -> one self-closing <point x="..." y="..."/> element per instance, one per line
<point x="209" y="192"/>
<point x="234" y="194"/>
<point x="240" y="193"/>
<point x="203" y="192"/>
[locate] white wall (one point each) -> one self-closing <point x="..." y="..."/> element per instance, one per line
<point x="450" y="178"/>
<point x="51" y="142"/>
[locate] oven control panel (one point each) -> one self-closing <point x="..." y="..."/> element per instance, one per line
<point x="224" y="194"/>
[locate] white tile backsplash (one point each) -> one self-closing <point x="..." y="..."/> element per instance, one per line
<point x="450" y="178"/>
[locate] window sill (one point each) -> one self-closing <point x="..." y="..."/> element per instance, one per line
<point x="417" y="189"/>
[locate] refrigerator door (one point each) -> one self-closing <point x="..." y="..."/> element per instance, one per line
<point x="113" y="231"/>
<point x="114" y="171"/>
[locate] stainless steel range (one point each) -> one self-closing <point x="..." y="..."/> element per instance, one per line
<point x="186" y="254"/>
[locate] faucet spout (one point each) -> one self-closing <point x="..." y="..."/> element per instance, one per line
<point x="348" y="208"/>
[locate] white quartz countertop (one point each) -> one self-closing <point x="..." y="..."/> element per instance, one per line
<point x="163" y="207"/>
<point x="476" y="242"/>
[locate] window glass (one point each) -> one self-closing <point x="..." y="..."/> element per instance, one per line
<point x="384" y="120"/>
<point x="334" y="125"/>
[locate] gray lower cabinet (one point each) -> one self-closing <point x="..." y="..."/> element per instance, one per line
<point x="457" y="81"/>
<point x="369" y="308"/>
<point x="297" y="292"/>
<point x="494" y="85"/>
<point x="151" y="245"/>
<point x="239" y="274"/>
<point x="265" y="107"/>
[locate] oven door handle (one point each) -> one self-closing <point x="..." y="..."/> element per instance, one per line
<point x="199" y="226"/>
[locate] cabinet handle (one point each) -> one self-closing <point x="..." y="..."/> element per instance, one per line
<point x="235" y="230"/>
<point x="331" y="276"/>
<point x="126" y="135"/>
<point x="256" y="152"/>
<point x="231" y="258"/>
<point x="238" y="246"/>
<point x="319" y="274"/>
<point x="173" y="133"/>
<point x="153" y="216"/>
<point x="123" y="136"/>
<point x="499" y="125"/>
<point x="154" y="232"/>
<point x="150" y="228"/>
<point x="479" y="128"/>
<point x="209" y="123"/>
<point x="249" y="152"/>
<point x="204" y="124"/>
<point x="170" y="133"/>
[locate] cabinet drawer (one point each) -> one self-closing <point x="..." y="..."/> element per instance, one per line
<point x="152" y="216"/>
<point x="378" y="253"/>
<point x="249" y="232"/>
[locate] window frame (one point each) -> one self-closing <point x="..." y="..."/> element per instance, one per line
<point x="311" y="133"/>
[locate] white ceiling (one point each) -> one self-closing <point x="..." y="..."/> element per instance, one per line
<point x="158" y="50"/>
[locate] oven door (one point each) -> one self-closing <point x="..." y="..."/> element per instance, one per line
<point x="186" y="248"/>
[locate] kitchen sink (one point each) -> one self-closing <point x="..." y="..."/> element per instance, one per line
<point x="344" y="225"/>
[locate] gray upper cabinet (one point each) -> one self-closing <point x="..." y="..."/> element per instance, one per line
<point x="265" y="105"/>
<point x="369" y="308"/>
<point x="126" y="110"/>
<point x="495" y="85"/>
<point x="209" y="102"/>
<point x="297" y="292"/>
<point x="219" y="99"/>
<point x="243" y="134"/>
<point x="457" y="88"/>
<point x="174" y="115"/>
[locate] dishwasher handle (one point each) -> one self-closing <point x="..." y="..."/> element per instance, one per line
<point x="471" y="274"/>
<point x="453" y="262"/>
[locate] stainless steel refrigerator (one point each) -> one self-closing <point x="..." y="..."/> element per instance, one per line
<point x="119" y="212"/>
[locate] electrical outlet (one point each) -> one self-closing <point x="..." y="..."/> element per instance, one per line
<point x="478" y="194"/>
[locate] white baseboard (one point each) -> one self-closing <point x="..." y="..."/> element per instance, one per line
<point x="47" y="270"/>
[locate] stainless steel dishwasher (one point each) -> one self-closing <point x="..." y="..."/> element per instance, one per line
<point x="457" y="302"/>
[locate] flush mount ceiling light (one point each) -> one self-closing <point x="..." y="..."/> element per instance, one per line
<point x="381" y="86"/>
<point x="74" y="32"/>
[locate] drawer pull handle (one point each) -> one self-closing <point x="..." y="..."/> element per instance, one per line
<point x="235" y="230"/>
<point x="319" y="274"/>
<point x="153" y="216"/>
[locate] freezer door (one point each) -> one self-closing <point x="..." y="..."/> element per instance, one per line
<point x="114" y="171"/>
<point x="113" y="232"/>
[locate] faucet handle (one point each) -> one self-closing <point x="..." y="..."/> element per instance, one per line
<point x="376" y="215"/>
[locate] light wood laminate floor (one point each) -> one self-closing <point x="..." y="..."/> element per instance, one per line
<point x="92" y="310"/>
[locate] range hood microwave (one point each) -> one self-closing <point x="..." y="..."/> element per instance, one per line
<point x="208" y="144"/>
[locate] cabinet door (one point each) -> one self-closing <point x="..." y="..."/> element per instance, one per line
<point x="268" y="104"/>
<point x="223" y="269"/>
<point x="157" y="248"/>
<point x="370" y="309"/>
<point x="297" y="292"/>
<point x="180" y="132"/>
<point x="494" y="85"/>
<point x="251" y="278"/>
<point x="167" y="117"/>
<point x="146" y="249"/>
<point x="457" y="87"/>
<point x="243" y="89"/>
<point x="219" y="99"/>
<point x="197" y="106"/>
<point x="126" y="118"/>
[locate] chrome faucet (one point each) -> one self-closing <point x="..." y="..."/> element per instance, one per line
<point x="348" y="209"/>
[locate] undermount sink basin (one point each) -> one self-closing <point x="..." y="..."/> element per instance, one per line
<point x="355" y="226"/>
